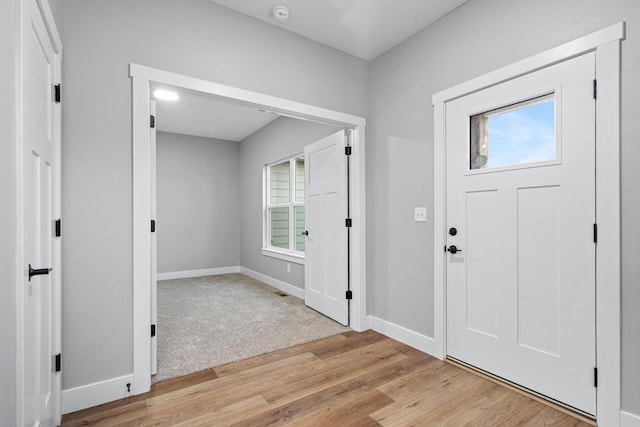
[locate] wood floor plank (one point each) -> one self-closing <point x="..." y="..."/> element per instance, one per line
<point x="352" y="379"/>
<point x="335" y="395"/>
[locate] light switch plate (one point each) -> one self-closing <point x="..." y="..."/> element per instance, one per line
<point x="420" y="214"/>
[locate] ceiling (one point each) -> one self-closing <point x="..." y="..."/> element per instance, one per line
<point x="199" y="114"/>
<point x="362" y="28"/>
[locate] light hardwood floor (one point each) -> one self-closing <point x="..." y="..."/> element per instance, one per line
<point x="352" y="379"/>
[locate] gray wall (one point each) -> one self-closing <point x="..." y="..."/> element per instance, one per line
<point x="8" y="216"/>
<point x="193" y="37"/>
<point x="477" y="38"/>
<point x="281" y="138"/>
<point x="198" y="225"/>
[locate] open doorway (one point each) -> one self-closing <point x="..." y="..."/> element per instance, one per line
<point x="143" y="79"/>
<point x="209" y="155"/>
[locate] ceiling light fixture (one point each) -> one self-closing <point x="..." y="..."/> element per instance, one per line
<point x="166" y="95"/>
<point x="280" y="13"/>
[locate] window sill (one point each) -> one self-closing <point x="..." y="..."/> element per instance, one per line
<point x="296" y="259"/>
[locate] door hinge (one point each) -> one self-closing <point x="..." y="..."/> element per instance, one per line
<point x="57" y="89"/>
<point x="58" y="227"/>
<point x="153" y="225"/>
<point x="347" y="222"/>
<point x="152" y="121"/>
<point x="595" y="377"/>
<point x="58" y="362"/>
<point x="595" y="233"/>
<point x="153" y="331"/>
<point x="347" y="150"/>
<point x="349" y="295"/>
<point x="595" y="89"/>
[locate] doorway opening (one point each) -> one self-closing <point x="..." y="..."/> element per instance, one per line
<point x="207" y="307"/>
<point x="142" y="79"/>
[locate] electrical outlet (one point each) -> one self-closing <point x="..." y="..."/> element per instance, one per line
<point x="288" y="268"/>
<point x="420" y="214"/>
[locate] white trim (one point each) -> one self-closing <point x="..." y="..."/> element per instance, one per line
<point x="608" y="218"/>
<point x="289" y="257"/>
<point x="141" y="77"/>
<point x="198" y="273"/>
<point x="50" y="23"/>
<point x="87" y="396"/>
<point x="282" y="106"/>
<point x="627" y="419"/>
<point x="275" y="283"/>
<point x="404" y="335"/>
<point x="544" y="59"/>
<point x="606" y="44"/>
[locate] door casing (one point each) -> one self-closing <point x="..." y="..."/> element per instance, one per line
<point x="141" y="77"/>
<point x="606" y="44"/>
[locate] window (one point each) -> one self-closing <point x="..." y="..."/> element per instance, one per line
<point x="284" y="210"/>
<point x="522" y="133"/>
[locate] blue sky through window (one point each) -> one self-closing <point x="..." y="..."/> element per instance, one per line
<point x="525" y="135"/>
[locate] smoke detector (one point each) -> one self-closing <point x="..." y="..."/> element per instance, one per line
<point x="280" y="13"/>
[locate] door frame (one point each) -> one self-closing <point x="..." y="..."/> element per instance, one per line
<point x="56" y="135"/>
<point x="141" y="77"/>
<point x="606" y="44"/>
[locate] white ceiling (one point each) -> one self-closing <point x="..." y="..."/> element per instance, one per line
<point x="204" y="115"/>
<point x="362" y="28"/>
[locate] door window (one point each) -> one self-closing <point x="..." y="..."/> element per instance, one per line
<point x="516" y="134"/>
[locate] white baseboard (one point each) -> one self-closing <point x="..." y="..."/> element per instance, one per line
<point x="278" y="284"/>
<point x="402" y="334"/>
<point x="86" y="396"/>
<point x="627" y="419"/>
<point x="198" y="273"/>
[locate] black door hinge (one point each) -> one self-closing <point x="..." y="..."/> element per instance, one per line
<point x="347" y="150"/>
<point x="152" y="121"/>
<point x="153" y="331"/>
<point x="153" y="225"/>
<point x="349" y="295"/>
<point x="57" y="89"/>
<point x="595" y="377"/>
<point x="58" y="227"/>
<point x="595" y="89"/>
<point x="595" y="233"/>
<point x="58" y="362"/>
<point x="347" y="222"/>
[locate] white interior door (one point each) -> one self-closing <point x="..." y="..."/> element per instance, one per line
<point x="521" y="197"/>
<point x="40" y="384"/>
<point x="326" y="268"/>
<point x="154" y="246"/>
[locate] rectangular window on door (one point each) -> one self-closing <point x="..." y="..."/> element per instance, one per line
<point x="517" y="134"/>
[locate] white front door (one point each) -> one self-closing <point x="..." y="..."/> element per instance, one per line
<point x="521" y="213"/>
<point x="154" y="243"/>
<point x="326" y="264"/>
<point x="40" y="384"/>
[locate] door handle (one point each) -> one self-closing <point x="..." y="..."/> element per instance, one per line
<point x="453" y="249"/>
<point x="38" y="271"/>
<point x="305" y="233"/>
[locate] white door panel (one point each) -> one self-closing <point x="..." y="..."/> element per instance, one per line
<point x="326" y="246"/>
<point x="521" y="294"/>
<point x="40" y="312"/>
<point x="154" y="245"/>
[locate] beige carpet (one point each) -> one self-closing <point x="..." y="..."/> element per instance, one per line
<point x="205" y="322"/>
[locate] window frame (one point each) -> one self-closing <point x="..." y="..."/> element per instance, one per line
<point x="290" y="254"/>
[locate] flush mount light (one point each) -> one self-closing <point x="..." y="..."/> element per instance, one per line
<point x="166" y="95"/>
<point x="280" y="13"/>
